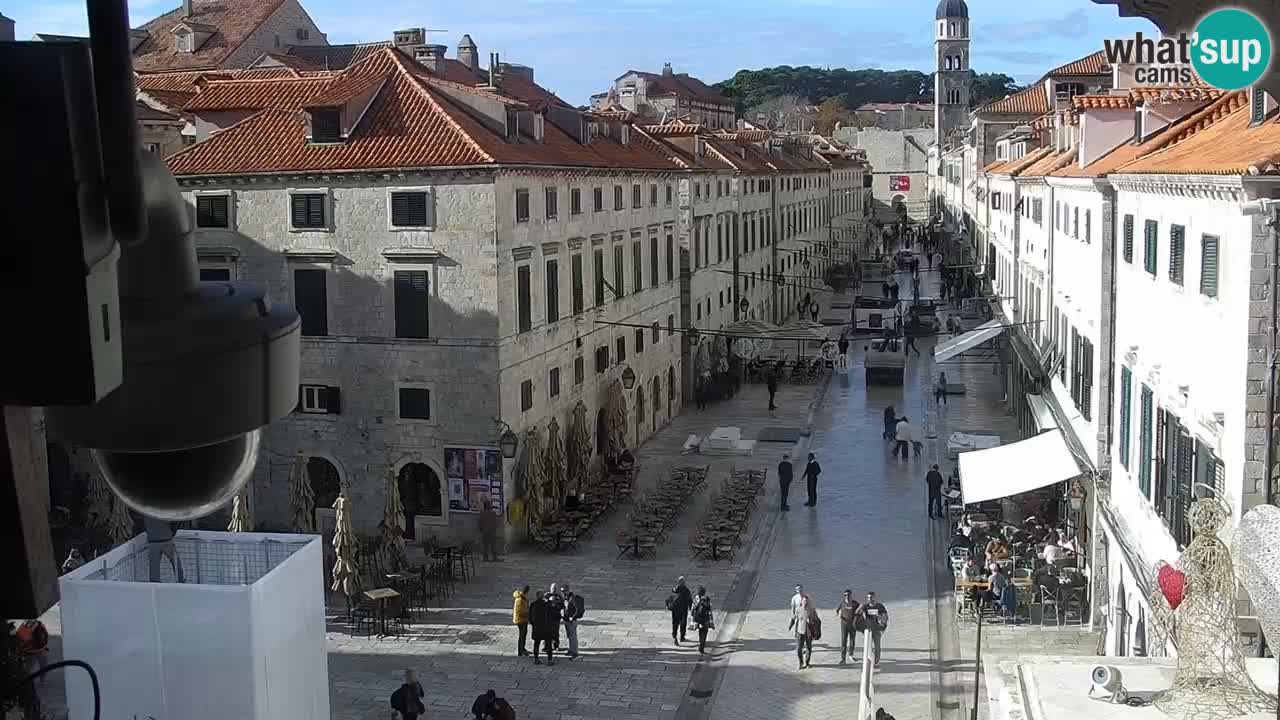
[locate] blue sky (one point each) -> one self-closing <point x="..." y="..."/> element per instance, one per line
<point x="577" y="47"/>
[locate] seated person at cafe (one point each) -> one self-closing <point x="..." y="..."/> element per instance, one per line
<point x="1053" y="552"/>
<point x="973" y="571"/>
<point x="960" y="540"/>
<point x="1047" y="578"/>
<point x="997" y="549"/>
<point x="998" y="583"/>
<point x="965" y="527"/>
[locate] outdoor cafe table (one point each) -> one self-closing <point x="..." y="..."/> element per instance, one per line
<point x="381" y="596"/>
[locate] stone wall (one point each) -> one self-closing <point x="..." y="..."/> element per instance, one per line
<point x="892" y="153"/>
<point x="276" y="34"/>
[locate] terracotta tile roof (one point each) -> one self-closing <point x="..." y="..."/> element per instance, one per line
<point x="1029" y="101"/>
<point x="410" y="124"/>
<point x="680" y="85"/>
<point x="235" y="21"/>
<point x="335" y="57"/>
<point x="989" y="167"/>
<point x="675" y="128"/>
<point x="294" y="62"/>
<point x="1092" y="64"/>
<point x="1016" y="167"/>
<point x="1049" y="163"/>
<point x="1117" y="102"/>
<point x="893" y="107"/>
<point x="146" y="113"/>
<point x="1175" y="94"/>
<point x="184" y="81"/>
<point x="345" y="87"/>
<point x="1218" y="142"/>
<point x="1128" y="152"/>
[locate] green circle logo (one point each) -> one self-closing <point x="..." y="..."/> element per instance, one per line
<point x="1231" y="49"/>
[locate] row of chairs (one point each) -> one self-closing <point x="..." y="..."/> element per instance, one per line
<point x="719" y="534"/>
<point x="657" y="511"/>
<point x="571" y="524"/>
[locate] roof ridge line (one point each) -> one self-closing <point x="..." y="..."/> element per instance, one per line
<point x="215" y="137"/>
<point x="435" y="103"/>
<point x="1169" y="136"/>
<point x="661" y="147"/>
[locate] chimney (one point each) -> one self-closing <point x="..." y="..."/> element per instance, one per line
<point x="6" y="29"/>
<point x="666" y="69"/>
<point x="468" y="53"/>
<point x="494" y="70"/>
<point x="408" y="39"/>
<point x="430" y="56"/>
<point x="187" y="10"/>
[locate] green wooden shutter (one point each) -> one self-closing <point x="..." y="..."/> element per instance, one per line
<point x="1209" y="266"/>
<point x="1177" y="241"/>
<point x="1152" y="241"/>
<point x="1126" y="411"/>
<point x="1144" y="442"/>
<point x="1128" y="238"/>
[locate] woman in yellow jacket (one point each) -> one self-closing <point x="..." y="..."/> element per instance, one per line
<point x="520" y="616"/>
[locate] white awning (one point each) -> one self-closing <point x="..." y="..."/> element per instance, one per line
<point x="968" y="341"/>
<point x="1040" y="413"/>
<point x="1016" y="468"/>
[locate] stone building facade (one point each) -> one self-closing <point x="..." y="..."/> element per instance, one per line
<point x="900" y="158"/>
<point x="667" y="96"/>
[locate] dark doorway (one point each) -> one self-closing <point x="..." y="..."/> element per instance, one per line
<point x="602" y="433"/>
<point x="64" y="489"/>
<point x="420" y="494"/>
<point x="325" y="483"/>
<point x="1122" y="623"/>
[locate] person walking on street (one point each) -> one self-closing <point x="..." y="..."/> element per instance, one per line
<point x="934" y="480"/>
<point x="811" y="472"/>
<point x="703" y="618"/>
<point x="902" y="434"/>
<point x="488" y="532"/>
<point x="407" y="700"/>
<point x="909" y="344"/>
<point x="847" y="611"/>
<point x="890" y="423"/>
<point x="940" y="389"/>
<point x="795" y="599"/>
<point x="520" y="617"/>
<point x="574" y="607"/>
<point x="538" y="619"/>
<point x="804" y="623"/>
<point x="771" y="383"/>
<point x="784" y="479"/>
<point x="679" y="602"/>
<point x="875" y="620"/>
<point x="917" y="440"/>
<point x="843" y="344"/>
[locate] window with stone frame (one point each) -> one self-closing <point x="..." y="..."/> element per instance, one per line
<point x="412" y="296"/>
<point x="522" y="205"/>
<point x="526" y="396"/>
<point x="1209" y="265"/>
<point x="653" y="194"/>
<point x="310" y="296"/>
<point x="671" y="256"/>
<point x="653" y="261"/>
<point x="551" y="201"/>
<point x="620" y="351"/>
<point x="212" y="211"/>
<point x="617" y="197"/>
<point x="637" y="264"/>
<point x="597" y="275"/>
<point x="553" y="382"/>
<point x="578" y="289"/>
<point x="575" y="201"/>
<point x="524" y="300"/>
<point x="579" y="370"/>
<point x="553" y="290"/>
<point x="597" y="199"/>
<point x="639" y="341"/>
<point x="619" y="270"/>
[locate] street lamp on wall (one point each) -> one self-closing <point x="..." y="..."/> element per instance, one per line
<point x="508" y="442"/>
<point x="628" y="377"/>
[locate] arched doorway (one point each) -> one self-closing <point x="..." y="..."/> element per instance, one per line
<point x="326" y="484"/>
<point x="421" y="493"/>
<point x="602" y="434"/>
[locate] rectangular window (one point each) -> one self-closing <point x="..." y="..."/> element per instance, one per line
<point x="1128" y="238"/>
<point x="653" y="194"/>
<point x="410" y="209"/>
<point x="412" y="293"/>
<point x="307" y="210"/>
<point x="524" y="306"/>
<point x="1144" y="442"/>
<point x="522" y="205"/>
<point x="553" y="291"/>
<point x="318" y="400"/>
<point x="654" y="333"/>
<point x="578" y="287"/>
<point x="579" y="370"/>
<point x="637" y="265"/>
<point x="617" y="197"/>
<point x="326" y="125"/>
<point x="670" y="193"/>
<point x="1075" y="367"/>
<point x="211" y="211"/>
<point x="1075" y="222"/>
<point x="310" y="297"/>
<point x="1152" y="241"/>
<point x="635" y="196"/>
<point x="597" y="270"/>
<point x="1177" y="248"/>
<point x="553" y="382"/>
<point x="1126" y="414"/>
<point x="671" y="325"/>
<point x="671" y="257"/>
<point x="526" y="396"/>
<point x="216" y="274"/>
<point x="1209" y="266"/>
<point x="620" y="353"/>
<point x="653" y="260"/>
<point x="575" y="201"/>
<point x="415" y="403"/>
<point x="552" y="200"/>
<point x="1088" y="226"/>
<point x="619" y="272"/>
<point x="597" y="199"/>
<point x="639" y="343"/>
<point x="1086" y="379"/>
<point x="602" y="359"/>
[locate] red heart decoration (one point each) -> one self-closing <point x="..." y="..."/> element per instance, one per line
<point x="1173" y="583"/>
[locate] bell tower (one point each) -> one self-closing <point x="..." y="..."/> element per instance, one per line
<point x="952" y="82"/>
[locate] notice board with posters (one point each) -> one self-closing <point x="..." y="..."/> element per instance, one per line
<point x="473" y="474"/>
<point x="899" y="183"/>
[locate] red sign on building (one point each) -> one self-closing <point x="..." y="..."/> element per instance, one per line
<point x="899" y="183"/>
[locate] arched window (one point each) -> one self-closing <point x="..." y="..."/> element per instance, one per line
<point x="948" y="63"/>
<point x="952" y="30"/>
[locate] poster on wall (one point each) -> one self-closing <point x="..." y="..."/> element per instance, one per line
<point x="474" y="474"/>
<point x="899" y="183"/>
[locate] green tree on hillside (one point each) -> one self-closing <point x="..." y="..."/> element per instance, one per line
<point x="752" y="88"/>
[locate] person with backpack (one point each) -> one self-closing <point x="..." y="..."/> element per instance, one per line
<point x="703" y="618"/>
<point x="407" y="700"/>
<point x="679" y="602"/>
<point x="574" y="608"/>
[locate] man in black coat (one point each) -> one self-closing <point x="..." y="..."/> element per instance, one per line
<point x="811" y="472"/>
<point x="679" y="603"/>
<point x="538" y="617"/>
<point x="407" y="700"/>
<point x="784" y="479"/>
<point x="934" y="480"/>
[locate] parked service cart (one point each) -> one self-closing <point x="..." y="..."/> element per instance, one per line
<point x="885" y="363"/>
<point x="873" y="314"/>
